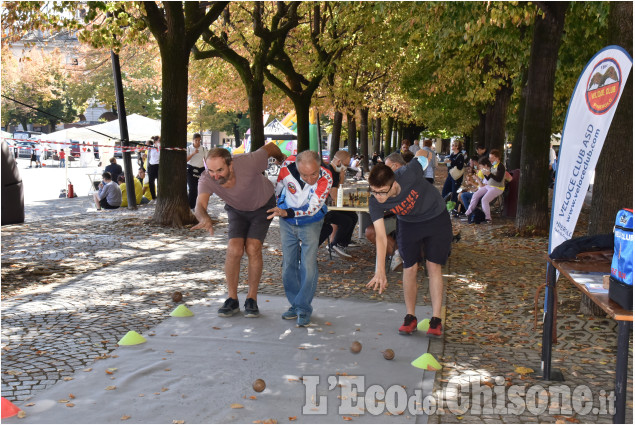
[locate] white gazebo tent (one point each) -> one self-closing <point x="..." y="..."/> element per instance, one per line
<point x="140" y="129"/>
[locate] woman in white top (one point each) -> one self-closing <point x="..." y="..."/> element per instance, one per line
<point x="154" y="154"/>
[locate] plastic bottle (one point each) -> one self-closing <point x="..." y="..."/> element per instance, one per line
<point x="340" y="196"/>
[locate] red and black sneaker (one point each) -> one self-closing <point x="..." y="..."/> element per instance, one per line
<point x="409" y="325"/>
<point x="436" y="328"/>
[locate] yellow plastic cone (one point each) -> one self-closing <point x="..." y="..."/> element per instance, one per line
<point x="181" y="311"/>
<point x="426" y="361"/>
<point x="424" y="325"/>
<point x="132" y="338"/>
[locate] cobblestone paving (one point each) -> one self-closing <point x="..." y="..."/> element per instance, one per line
<point x="72" y="288"/>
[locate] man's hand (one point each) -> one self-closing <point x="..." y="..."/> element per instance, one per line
<point x="276" y="212"/>
<point x="378" y="281"/>
<point x="205" y="224"/>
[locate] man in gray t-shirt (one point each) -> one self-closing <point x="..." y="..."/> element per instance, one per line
<point x="109" y="194"/>
<point x="423" y="224"/>
<point x="248" y="194"/>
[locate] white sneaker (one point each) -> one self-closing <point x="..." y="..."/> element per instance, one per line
<point x="396" y="261"/>
<point x="341" y="251"/>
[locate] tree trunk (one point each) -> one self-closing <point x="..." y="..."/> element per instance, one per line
<point x="478" y="134"/>
<point x="388" y="137"/>
<point x="352" y="134"/>
<point x="172" y="208"/>
<point x="302" y="108"/>
<point x="400" y="134"/>
<point x="534" y="170"/>
<point x="363" y="137"/>
<point x="613" y="186"/>
<point x="377" y="135"/>
<point x="514" y="162"/>
<point x="256" y="125"/>
<point x="497" y="118"/>
<point x="336" y="137"/>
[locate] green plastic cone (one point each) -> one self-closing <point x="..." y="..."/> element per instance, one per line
<point x="181" y="311"/>
<point x="132" y="338"/>
<point x="424" y="325"/>
<point x="426" y="361"/>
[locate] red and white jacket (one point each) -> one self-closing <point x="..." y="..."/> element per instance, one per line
<point x="304" y="203"/>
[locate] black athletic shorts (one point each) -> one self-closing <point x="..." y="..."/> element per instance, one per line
<point x="249" y="224"/>
<point x="434" y="236"/>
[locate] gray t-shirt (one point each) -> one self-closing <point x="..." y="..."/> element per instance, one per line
<point x="418" y="200"/>
<point x="252" y="189"/>
<point x="112" y="193"/>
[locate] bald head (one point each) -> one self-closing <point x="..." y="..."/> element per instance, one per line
<point x="340" y="160"/>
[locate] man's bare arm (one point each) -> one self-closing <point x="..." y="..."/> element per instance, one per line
<point x="274" y="151"/>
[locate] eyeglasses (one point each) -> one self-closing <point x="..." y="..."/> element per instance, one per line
<point x="381" y="193"/>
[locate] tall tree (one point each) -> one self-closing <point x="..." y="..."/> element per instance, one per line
<point x="249" y="56"/>
<point x="298" y="86"/>
<point x="613" y="186"/>
<point x="534" y="170"/>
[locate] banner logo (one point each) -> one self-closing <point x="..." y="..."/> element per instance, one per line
<point x="603" y="87"/>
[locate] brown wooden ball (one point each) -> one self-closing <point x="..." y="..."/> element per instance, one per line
<point x="177" y="296"/>
<point x="356" y="347"/>
<point x="259" y="385"/>
<point x="388" y="354"/>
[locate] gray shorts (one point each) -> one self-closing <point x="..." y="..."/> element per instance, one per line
<point x="390" y="223"/>
<point x="249" y="224"/>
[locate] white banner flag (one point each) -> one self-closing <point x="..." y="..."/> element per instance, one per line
<point x="589" y="117"/>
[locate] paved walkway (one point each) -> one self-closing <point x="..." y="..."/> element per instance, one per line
<point x="74" y="280"/>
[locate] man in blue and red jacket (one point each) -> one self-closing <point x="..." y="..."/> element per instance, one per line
<point x="302" y="189"/>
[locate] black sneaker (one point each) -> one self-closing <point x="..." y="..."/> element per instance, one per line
<point x="229" y="308"/>
<point x="251" y="308"/>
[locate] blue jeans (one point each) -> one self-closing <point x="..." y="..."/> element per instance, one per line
<point x="299" y="266"/>
<point x="466" y="198"/>
<point x="451" y="185"/>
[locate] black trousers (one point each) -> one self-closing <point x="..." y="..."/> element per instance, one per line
<point x="345" y="221"/>
<point x="153" y="176"/>
<point x="193" y="174"/>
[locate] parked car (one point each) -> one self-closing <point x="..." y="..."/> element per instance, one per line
<point x="25" y="149"/>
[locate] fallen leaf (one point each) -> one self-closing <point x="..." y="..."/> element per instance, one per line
<point x="68" y="378"/>
<point x="70" y="404"/>
<point x="347" y="418"/>
<point x="21" y="414"/>
<point x="125" y="417"/>
<point x="164" y="389"/>
<point x="30" y="404"/>
<point x="236" y="406"/>
<point x="71" y="396"/>
<point x="293" y="418"/>
<point x="253" y="397"/>
<point x="111" y="387"/>
<point x="180" y="421"/>
<point x="88" y="369"/>
<point x="523" y="370"/>
<point x="167" y="369"/>
<point x="63" y="401"/>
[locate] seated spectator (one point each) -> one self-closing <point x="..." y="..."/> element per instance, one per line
<point x="473" y="181"/>
<point x="143" y="179"/>
<point x="138" y="190"/>
<point x="356" y="166"/>
<point x="114" y="169"/>
<point x="338" y="226"/>
<point x="495" y="177"/>
<point x="376" y="158"/>
<point x="109" y="194"/>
